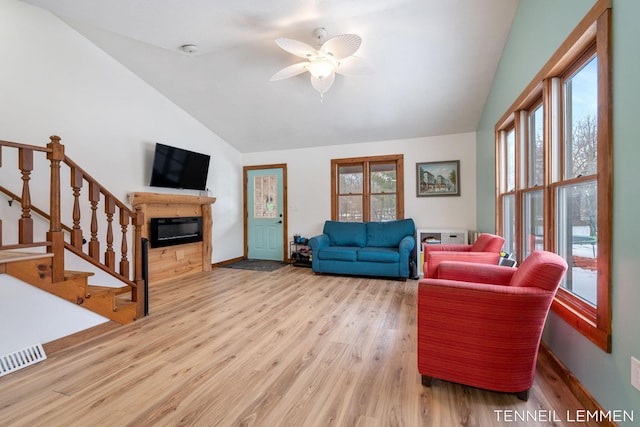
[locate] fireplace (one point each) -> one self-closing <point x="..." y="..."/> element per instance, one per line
<point x="175" y="231"/>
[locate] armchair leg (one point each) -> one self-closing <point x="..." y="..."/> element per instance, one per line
<point x="523" y="395"/>
<point x="427" y="380"/>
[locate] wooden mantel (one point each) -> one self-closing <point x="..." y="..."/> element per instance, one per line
<point x="180" y="260"/>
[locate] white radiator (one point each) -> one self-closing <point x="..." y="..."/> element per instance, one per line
<point x="21" y="359"/>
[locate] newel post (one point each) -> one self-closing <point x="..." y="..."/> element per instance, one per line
<point x="55" y="234"/>
<point x="139" y="297"/>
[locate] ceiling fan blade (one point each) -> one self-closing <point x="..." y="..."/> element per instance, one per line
<point x="322" y="85"/>
<point x="297" y="48"/>
<point x="354" y="66"/>
<point x="290" y="71"/>
<point x="342" y="46"/>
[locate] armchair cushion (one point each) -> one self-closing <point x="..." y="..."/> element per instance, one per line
<point x="474" y="272"/>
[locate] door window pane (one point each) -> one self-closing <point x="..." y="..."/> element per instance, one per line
<point x="577" y="238"/>
<point x="265" y="193"/>
<point x="581" y="120"/>
<point x="536" y="158"/>
<point x="533" y="222"/>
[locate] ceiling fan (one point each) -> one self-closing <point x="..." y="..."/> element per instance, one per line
<point x="335" y="55"/>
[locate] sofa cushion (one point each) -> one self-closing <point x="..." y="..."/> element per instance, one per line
<point x="388" y="234"/>
<point x="346" y="233"/>
<point x="338" y="253"/>
<point x="378" y="254"/>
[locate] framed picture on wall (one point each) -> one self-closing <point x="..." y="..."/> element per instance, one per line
<point x="438" y="178"/>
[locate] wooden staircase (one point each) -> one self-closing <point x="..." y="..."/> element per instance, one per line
<point x="26" y="260"/>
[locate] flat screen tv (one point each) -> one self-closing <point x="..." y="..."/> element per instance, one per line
<point x="179" y="168"/>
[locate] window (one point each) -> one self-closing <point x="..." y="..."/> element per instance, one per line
<point x="367" y="189"/>
<point x="576" y="191"/>
<point x="553" y="151"/>
<point x="506" y="198"/>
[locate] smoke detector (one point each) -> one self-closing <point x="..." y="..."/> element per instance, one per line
<point x="189" y="48"/>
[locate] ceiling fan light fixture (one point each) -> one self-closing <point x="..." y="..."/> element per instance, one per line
<point x="321" y="68"/>
<point x="332" y="56"/>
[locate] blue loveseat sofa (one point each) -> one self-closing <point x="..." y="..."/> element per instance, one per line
<point x="364" y="249"/>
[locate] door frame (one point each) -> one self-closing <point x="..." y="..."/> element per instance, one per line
<point x="245" y="208"/>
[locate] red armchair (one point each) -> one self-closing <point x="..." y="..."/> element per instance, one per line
<point x="481" y="325"/>
<point x="485" y="250"/>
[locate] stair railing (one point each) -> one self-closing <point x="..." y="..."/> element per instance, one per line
<point x="72" y="238"/>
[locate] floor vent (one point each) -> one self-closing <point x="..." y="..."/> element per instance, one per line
<point x="21" y="359"/>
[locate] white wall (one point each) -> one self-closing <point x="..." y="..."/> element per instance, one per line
<point x="25" y="323"/>
<point x="309" y="180"/>
<point x="54" y="81"/>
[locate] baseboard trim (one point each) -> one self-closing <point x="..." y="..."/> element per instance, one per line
<point x="579" y="391"/>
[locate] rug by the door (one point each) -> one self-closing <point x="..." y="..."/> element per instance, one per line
<point x="257" y="265"/>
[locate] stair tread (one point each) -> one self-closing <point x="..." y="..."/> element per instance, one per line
<point x="15" y="256"/>
<point x="96" y="289"/>
<point x="75" y="274"/>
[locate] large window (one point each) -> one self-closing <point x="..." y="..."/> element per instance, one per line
<point x="367" y="189"/>
<point x="553" y="152"/>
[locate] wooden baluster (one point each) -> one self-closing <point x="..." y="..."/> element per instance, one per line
<point x="25" y="223"/>
<point x="76" y="184"/>
<point x="94" y="243"/>
<point x="124" y="261"/>
<point x="55" y="234"/>
<point x="109" y="254"/>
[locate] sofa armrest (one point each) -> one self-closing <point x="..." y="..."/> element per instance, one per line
<point x="318" y="242"/>
<point x="407" y="243"/>
<point x="433" y="259"/>
<point x="475" y="272"/>
<point x="405" y="247"/>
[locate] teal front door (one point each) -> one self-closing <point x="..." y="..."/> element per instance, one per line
<point x="265" y="214"/>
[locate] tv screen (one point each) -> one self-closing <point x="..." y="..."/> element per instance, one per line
<point x="178" y="168"/>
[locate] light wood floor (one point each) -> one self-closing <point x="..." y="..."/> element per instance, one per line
<point x="243" y="348"/>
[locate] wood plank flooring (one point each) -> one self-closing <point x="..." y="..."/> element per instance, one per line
<point x="244" y="348"/>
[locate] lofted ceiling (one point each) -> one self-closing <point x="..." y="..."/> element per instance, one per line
<point x="434" y="63"/>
